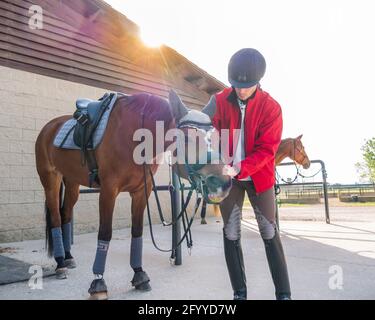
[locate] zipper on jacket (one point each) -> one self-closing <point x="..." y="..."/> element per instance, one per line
<point x="244" y="129"/>
<point x="240" y="122"/>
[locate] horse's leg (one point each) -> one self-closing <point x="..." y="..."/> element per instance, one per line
<point x="203" y="212"/>
<point x="52" y="183"/>
<point x="70" y="199"/>
<point x="107" y="199"/>
<point x="140" y="279"/>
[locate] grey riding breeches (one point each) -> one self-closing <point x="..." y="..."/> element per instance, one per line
<point x="263" y="205"/>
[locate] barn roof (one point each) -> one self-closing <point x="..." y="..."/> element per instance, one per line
<point x="89" y="42"/>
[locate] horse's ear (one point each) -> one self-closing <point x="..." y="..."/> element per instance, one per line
<point x="178" y="108"/>
<point x="299" y="137"/>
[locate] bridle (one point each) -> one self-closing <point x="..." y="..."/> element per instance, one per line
<point x="301" y="151"/>
<point x="197" y="180"/>
<point x="182" y="215"/>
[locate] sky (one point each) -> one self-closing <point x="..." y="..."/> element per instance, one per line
<point x="320" y="62"/>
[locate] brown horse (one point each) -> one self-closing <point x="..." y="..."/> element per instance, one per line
<point x="292" y="148"/>
<point x="118" y="172"/>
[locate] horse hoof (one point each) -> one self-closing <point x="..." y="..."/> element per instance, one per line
<point x="98" y="290"/>
<point x="143" y="287"/>
<point x="141" y="281"/>
<point x="70" y="263"/>
<point x="61" y="273"/>
<point x="99" y="296"/>
<point x="203" y="221"/>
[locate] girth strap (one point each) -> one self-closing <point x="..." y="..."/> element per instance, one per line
<point x="89" y="122"/>
<point x="92" y="165"/>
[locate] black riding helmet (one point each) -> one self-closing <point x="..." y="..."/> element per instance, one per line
<point x="246" y="67"/>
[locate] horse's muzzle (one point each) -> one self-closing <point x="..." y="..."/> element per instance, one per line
<point x="217" y="188"/>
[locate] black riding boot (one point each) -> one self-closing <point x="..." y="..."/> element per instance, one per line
<point x="278" y="268"/>
<point x="236" y="268"/>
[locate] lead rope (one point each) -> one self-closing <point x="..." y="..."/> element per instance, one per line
<point x="187" y="230"/>
<point x="167" y="224"/>
<point x="189" y="240"/>
<point x="278" y="177"/>
<point x="181" y="213"/>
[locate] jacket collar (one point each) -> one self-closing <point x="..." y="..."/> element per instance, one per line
<point x="232" y="97"/>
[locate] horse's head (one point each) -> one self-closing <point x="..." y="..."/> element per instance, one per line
<point x="200" y="162"/>
<point x="298" y="153"/>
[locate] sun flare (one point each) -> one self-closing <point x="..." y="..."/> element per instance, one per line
<point x="151" y="37"/>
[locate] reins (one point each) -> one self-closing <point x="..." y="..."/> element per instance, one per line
<point x="187" y="223"/>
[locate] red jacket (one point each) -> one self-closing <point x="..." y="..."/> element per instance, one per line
<point x="263" y="126"/>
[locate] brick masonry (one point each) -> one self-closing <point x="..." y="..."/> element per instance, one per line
<point x="27" y="102"/>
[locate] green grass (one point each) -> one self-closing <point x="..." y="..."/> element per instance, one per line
<point x="355" y="204"/>
<point x="295" y="205"/>
<point x="247" y="204"/>
<point x="331" y="204"/>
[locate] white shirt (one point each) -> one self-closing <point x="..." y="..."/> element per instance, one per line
<point x="239" y="154"/>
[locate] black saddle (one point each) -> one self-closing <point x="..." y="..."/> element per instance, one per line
<point x="88" y="115"/>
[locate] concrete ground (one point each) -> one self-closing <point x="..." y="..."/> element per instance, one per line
<point x="335" y="261"/>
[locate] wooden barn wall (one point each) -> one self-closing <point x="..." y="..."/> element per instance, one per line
<point x="60" y="51"/>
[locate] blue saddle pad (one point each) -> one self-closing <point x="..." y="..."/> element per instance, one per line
<point x="67" y="127"/>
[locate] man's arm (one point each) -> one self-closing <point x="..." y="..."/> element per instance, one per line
<point x="266" y="145"/>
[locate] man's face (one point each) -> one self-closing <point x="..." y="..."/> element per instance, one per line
<point x="245" y="93"/>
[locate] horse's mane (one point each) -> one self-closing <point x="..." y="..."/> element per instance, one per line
<point x="283" y="141"/>
<point x="156" y="108"/>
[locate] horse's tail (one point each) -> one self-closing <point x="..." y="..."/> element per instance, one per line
<point x="49" y="241"/>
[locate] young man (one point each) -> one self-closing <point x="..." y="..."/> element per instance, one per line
<point x="247" y="107"/>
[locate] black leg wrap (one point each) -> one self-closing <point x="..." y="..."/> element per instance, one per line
<point x="69" y="261"/>
<point x="68" y="255"/>
<point x="236" y="267"/>
<point x="60" y="262"/>
<point x="61" y="270"/>
<point x="278" y="267"/>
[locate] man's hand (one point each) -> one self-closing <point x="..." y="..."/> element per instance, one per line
<point x="230" y="171"/>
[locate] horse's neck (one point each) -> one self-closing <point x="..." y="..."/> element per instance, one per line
<point x="284" y="151"/>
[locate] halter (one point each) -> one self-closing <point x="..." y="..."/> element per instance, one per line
<point x="181" y="215"/>
<point x="277" y="188"/>
<point x="197" y="180"/>
<point x="298" y="173"/>
<point x="299" y="150"/>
